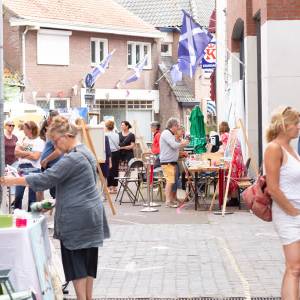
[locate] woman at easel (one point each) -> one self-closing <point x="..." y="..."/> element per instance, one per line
<point x="80" y="221"/>
<point x="238" y="167"/>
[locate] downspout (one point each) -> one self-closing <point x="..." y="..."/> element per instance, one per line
<point x="24" y="58"/>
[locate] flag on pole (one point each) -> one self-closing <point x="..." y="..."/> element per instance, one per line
<point x="211" y="107"/>
<point x="91" y="77"/>
<point x="176" y="74"/>
<point x="137" y="71"/>
<point x="192" y="42"/>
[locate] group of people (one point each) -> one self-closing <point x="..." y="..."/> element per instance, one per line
<point x="61" y="162"/>
<point x="119" y="149"/>
<point x="168" y="147"/>
<point x="79" y="222"/>
<point x="282" y="169"/>
<point x="31" y="152"/>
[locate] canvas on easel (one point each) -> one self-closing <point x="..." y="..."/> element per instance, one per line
<point x="97" y="136"/>
<point x="86" y="138"/>
<point x="228" y="155"/>
<point x="232" y="142"/>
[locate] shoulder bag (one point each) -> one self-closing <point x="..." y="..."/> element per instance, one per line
<point x="258" y="199"/>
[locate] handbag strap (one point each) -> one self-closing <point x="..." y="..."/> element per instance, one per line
<point x="116" y="146"/>
<point x="90" y="162"/>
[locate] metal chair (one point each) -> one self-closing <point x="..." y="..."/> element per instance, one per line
<point x="244" y="182"/>
<point x="134" y="176"/>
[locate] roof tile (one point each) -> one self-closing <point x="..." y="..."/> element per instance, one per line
<point x="102" y="13"/>
<point x="180" y="90"/>
<point x="167" y="13"/>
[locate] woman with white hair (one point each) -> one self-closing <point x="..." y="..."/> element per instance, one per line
<point x="79" y="222"/>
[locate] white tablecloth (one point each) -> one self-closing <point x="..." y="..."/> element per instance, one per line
<point x="17" y="254"/>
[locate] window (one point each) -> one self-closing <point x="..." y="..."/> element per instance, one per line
<point x="166" y="49"/>
<point x="60" y="104"/>
<point x="53" y="47"/>
<point x="136" y="51"/>
<point x="99" y="49"/>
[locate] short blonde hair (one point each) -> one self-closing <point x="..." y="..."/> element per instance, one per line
<point x="110" y="124"/>
<point x="281" y="118"/>
<point x="61" y="126"/>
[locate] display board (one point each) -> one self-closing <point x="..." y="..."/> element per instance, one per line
<point x="230" y="146"/>
<point x="97" y="135"/>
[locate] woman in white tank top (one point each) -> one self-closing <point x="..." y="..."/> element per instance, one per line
<point x="282" y="165"/>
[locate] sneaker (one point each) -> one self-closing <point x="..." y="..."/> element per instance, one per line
<point x="171" y="204"/>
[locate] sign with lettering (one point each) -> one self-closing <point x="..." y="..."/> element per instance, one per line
<point x="210" y="56"/>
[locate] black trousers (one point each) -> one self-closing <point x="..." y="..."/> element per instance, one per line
<point x="114" y="171"/>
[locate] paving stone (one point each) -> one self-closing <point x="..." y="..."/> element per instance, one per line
<point x="192" y="254"/>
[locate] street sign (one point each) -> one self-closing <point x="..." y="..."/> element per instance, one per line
<point x="90" y="96"/>
<point x="210" y="56"/>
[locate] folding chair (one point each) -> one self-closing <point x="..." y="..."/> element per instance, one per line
<point x="244" y="182"/>
<point x="7" y="287"/>
<point x="133" y="177"/>
<point x="159" y="183"/>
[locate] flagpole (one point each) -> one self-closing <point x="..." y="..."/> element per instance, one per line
<point x="121" y="80"/>
<point x="163" y="75"/>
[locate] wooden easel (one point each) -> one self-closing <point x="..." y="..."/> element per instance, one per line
<point x="89" y="143"/>
<point x="253" y="163"/>
<point x="228" y="180"/>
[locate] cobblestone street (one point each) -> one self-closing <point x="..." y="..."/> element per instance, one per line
<point x="171" y="254"/>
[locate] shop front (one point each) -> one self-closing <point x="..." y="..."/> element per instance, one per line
<point x="136" y="106"/>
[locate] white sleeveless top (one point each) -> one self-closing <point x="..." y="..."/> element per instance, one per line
<point x="289" y="181"/>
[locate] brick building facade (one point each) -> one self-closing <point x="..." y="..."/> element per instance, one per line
<point x="262" y="70"/>
<point x="56" y="50"/>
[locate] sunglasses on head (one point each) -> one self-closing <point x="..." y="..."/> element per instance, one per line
<point x="285" y="110"/>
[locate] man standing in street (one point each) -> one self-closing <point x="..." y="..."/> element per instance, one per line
<point x="169" y="154"/>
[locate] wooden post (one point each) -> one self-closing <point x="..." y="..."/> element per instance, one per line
<point x="214" y="197"/>
<point x="90" y="144"/>
<point x="228" y="178"/>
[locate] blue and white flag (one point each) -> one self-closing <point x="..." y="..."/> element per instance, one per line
<point x="211" y="107"/>
<point x="176" y="74"/>
<point x="137" y="71"/>
<point x="192" y="42"/>
<point x="91" y="77"/>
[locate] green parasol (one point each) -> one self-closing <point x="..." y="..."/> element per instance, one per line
<point x="197" y="130"/>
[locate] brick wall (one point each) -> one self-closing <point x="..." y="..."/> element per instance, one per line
<point x="237" y="11"/>
<point x="247" y="10"/>
<point x="169" y="106"/>
<point x="54" y="79"/>
<point x="12" y="53"/>
<point x="283" y="10"/>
